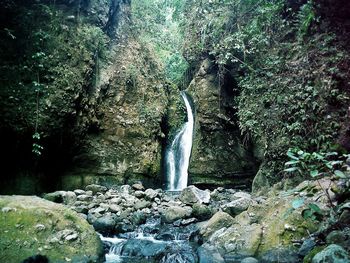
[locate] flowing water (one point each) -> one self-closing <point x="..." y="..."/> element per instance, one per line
<point x="179" y="153"/>
<point x="152" y="242"/>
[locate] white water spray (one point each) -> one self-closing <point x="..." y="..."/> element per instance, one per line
<point x="178" y="154"/>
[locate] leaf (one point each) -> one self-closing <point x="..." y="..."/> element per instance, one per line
<point x="315" y="208"/>
<point x="307" y="213"/>
<point x="292" y="156"/>
<point x="297" y="203"/>
<point x="339" y="174"/>
<point x="314" y="173"/>
<point x="292" y="162"/>
<point x="291" y="169"/>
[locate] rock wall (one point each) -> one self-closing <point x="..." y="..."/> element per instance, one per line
<point x="219" y="156"/>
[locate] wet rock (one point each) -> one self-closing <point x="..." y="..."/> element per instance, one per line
<point x="332" y="254"/>
<point x="56" y="230"/>
<point x="250" y="260"/>
<point x="143" y="248"/>
<point x="95" y="188"/>
<point x="150" y="194"/>
<point x="138" y="186"/>
<point x="280" y="256"/>
<point x="174" y="213"/>
<point x="238" y="206"/>
<point x="79" y="192"/>
<point x="188" y="221"/>
<point x="192" y="195"/>
<point x="139" y="194"/>
<point x="218" y="221"/>
<point x="209" y="254"/>
<point x="337" y="237"/>
<point x="104" y="224"/>
<point x="69" y="198"/>
<point x="142" y="204"/>
<point x="84" y="198"/>
<point x="201" y="211"/>
<point x="138" y="218"/>
<point x="306" y="247"/>
<point x="125" y="189"/>
<point x="56" y="197"/>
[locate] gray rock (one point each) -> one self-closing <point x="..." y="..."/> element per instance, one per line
<point x="218" y="221"/>
<point x="250" y="260"/>
<point x="174" y="213"/>
<point x="95" y="188"/>
<point x="139" y="194"/>
<point x="125" y="189"/>
<point x="69" y="198"/>
<point x="138" y="186"/>
<point x="280" y="256"/>
<point x="150" y="194"/>
<point x="238" y="206"/>
<point x="56" y="197"/>
<point x="332" y="254"/>
<point x="209" y="254"/>
<point x="104" y="224"/>
<point x="142" y="204"/>
<point x="306" y="247"/>
<point x="79" y="192"/>
<point x="85" y="198"/>
<point x="191" y="195"/>
<point x="201" y="211"/>
<point x="337" y="237"/>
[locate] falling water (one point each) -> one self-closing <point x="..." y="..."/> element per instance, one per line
<point x="179" y="152"/>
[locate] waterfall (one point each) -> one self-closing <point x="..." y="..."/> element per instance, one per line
<point x="178" y="154"/>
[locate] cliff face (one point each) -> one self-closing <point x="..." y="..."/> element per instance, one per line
<point x="86" y="86"/>
<point x="219" y="156"/>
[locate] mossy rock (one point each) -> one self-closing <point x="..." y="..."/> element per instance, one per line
<point x="30" y="226"/>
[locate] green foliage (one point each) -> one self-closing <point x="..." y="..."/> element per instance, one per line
<point x="305" y="17"/>
<point x="315" y="164"/>
<point x="157" y="22"/>
<point x="291" y="92"/>
<point x="37" y="148"/>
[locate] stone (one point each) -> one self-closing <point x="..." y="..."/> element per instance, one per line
<point x="150" y="194"/>
<point x="191" y="195"/>
<point x="142" y="204"/>
<point x="143" y="248"/>
<point x="114" y="208"/>
<point x="56" y="197"/>
<point x="332" y="254"/>
<point x="188" y="221"/>
<point x="249" y="260"/>
<point x="201" y="211"/>
<point x="85" y="198"/>
<point x="60" y="232"/>
<point x="173" y="213"/>
<point x="105" y="224"/>
<point x="69" y="198"/>
<point x="125" y="189"/>
<point x="95" y="188"/>
<point x="306" y="247"/>
<point x="237" y="206"/>
<point x="138" y="186"/>
<point x="209" y="254"/>
<point x="280" y="255"/>
<point x="139" y="194"/>
<point x="79" y="191"/>
<point x="216" y="222"/>
<point x="337" y="237"/>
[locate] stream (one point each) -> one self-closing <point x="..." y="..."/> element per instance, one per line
<point x="153" y="242"/>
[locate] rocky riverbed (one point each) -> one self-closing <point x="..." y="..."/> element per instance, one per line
<point x="223" y="225"/>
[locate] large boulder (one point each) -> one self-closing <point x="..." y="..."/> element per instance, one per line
<point x="173" y="213"/>
<point x="218" y="221"/>
<point x="192" y="195"/>
<point x="238" y="206"/>
<point x="332" y="254"/>
<point x="30" y="225"/>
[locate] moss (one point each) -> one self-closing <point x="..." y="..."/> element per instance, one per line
<point x="30" y="225"/>
<point x="308" y="258"/>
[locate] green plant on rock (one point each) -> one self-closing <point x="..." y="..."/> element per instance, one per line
<point x="316" y="165"/>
